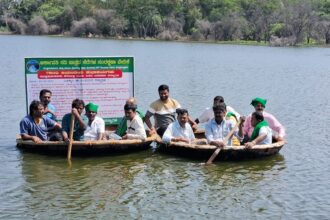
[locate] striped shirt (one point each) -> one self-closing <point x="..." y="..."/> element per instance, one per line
<point x="164" y="113"/>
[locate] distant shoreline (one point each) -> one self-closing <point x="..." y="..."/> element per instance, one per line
<point x="183" y="40"/>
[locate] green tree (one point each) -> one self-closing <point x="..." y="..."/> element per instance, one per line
<point x="50" y="11"/>
<point x="260" y="14"/>
<point x="192" y="15"/>
<point x="24" y="9"/>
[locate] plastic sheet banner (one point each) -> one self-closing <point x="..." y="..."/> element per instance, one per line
<point x="105" y="81"/>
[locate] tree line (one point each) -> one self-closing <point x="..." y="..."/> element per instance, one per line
<point x="278" y="22"/>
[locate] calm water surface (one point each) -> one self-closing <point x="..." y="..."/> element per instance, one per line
<point x="147" y="185"/>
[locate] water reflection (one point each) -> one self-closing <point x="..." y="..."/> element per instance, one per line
<point x="139" y="186"/>
<point x="248" y="170"/>
<point x="90" y="186"/>
<point x="182" y="187"/>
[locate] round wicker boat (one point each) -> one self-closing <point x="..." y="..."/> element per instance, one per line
<point x="228" y="152"/>
<point x="86" y="147"/>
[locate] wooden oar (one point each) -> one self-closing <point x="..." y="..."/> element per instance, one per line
<point x="217" y="151"/>
<point x="70" y="137"/>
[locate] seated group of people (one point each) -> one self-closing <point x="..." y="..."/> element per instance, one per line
<point x="40" y="125"/>
<point x="259" y="127"/>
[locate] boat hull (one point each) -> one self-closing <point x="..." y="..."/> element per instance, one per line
<point x="86" y="147"/>
<point x="228" y="153"/>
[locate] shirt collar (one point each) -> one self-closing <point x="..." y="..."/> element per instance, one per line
<point x="215" y="123"/>
<point x="177" y="124"/>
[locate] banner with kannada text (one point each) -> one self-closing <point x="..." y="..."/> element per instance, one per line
<point x="105" y="81"/>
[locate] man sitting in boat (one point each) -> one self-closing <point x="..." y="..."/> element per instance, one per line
<point x="179" y="130"/>
<point x="278" y="129"/>
<point x="262" y="134"/>
<point x="163" y="111"/>
<point x="122" y="127"/>
<point x="80" y="121"/>
<point x="208" y="113"/>
<point x="36" y="125"/>
<point x="219" y="127"/>
<point x="135" y="126"/>
<point x="45" y="97"/>
<point x="95" y="127"/>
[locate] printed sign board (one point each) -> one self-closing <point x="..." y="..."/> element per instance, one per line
<point x="105" y="81"/>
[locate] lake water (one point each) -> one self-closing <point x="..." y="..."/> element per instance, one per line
<point x="147" y="185"/>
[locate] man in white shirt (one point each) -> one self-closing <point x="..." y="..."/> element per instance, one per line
<point x="135" y="126"/>
<point x="96" y="127"/>
<point x="179" y="130"/>
<point x="208" y="114"/>
<point x="219" y="127"/>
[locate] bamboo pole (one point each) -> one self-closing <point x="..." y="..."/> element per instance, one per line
<point x="225" y="140"/>
<point x="70" y="137"/>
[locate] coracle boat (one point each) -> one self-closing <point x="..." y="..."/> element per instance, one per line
<point x="86" y="147"/>
<point x="204" y="151"/>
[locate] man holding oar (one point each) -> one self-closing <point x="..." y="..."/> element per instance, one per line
<point x="219" y="127"/>
<point x="80" y="122"/>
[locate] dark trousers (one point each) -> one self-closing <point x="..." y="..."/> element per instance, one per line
<point x="161" y="131"/>
<point x="246" y="139"/>
<point x="55" y="135"/>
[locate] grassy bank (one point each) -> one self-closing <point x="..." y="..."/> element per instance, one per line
<point x="181" y="40"/>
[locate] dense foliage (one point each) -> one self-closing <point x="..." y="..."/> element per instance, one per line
<point x="280" y="22"/>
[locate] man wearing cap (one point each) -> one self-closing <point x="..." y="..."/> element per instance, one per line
<point x="179" y="130"/>
<point x="208" y="112"/>
<point x="80" y="122"/>
<point x="95" y="127"/>
<point x="278" y="129"/>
